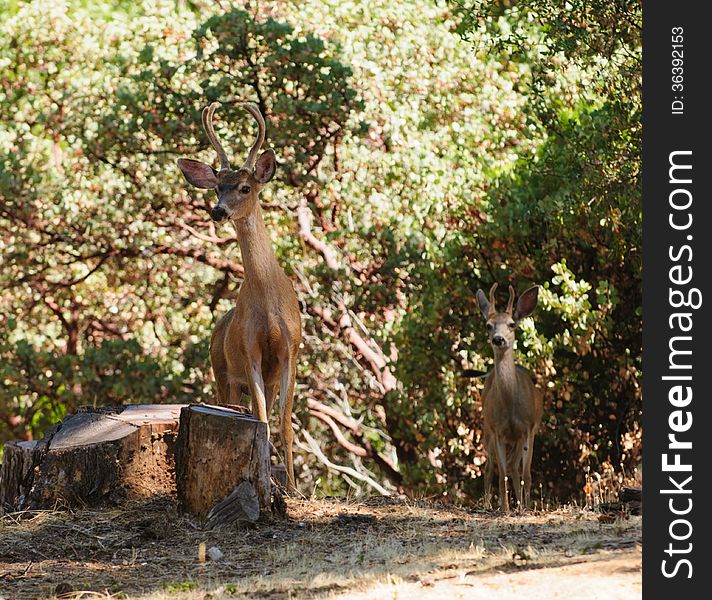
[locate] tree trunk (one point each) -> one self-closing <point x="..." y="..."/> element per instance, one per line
<point x="97" y="456"/>
<point x="218" y="460"/>
<point x="217" y="450"/>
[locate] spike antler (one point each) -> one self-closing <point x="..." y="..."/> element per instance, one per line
<point x="208" y="113"/>
<point x="492" y="305"/>
<point x="252" y="156"/>
<point x="510" y="304"/>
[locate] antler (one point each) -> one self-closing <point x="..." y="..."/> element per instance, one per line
<point x="208" y="113"/>
<point x="492" y="306"/>
<point x="252" y="156"/>
<point x="510" y="304"/>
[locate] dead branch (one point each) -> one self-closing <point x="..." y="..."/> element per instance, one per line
<point x="330" y="415"/>
<point x="313" y="447"/>
<point x="351" y="447"/>
<point x="373" y="356"/>
<point x="349" y="422"/>
<point x="197" y="254"/>
<point x="213" y="238"/>
<point x="305" y="232"/>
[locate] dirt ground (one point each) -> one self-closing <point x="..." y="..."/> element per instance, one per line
<point x="381" y="548"/>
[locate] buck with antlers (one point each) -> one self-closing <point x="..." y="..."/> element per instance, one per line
<point x="513" y="406"/>
<point x="256" y="343"/>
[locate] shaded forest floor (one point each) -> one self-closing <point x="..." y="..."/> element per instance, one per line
<point x="380" y="548"/>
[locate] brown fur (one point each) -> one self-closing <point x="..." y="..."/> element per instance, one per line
<point x="512" y="404"/>
<point x="255" y="344"/>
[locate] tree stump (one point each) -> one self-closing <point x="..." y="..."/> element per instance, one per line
<point x="97" y="456"/>
<point x="222" y="463"/>
<point x="242" y="504"/>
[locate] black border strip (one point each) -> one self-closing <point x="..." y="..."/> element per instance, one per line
<point x="675" y="129"/>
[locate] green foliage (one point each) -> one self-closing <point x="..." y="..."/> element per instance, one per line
<point x="428" y="166"/>
<point x="180" y="587"/>
<point x="42" y="385"/>
<point x="98" y="249"/>
<point x="572" y="208"/>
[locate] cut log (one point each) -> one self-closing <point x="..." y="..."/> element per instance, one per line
<point x="97" y="456"/>
<point x="218" y="449"/>
<point x="631" y="494"/>
<point x="279" y="475"/>
<point x="16" y="474"/>
<point x="241" y="504"/>
<point x="630" y="503"/>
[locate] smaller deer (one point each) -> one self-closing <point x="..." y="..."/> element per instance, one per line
<point x="255" y="344"/>
<point x="513" y="406"/>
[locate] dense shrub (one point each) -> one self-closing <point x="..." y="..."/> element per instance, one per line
<point x="424" y="151"/>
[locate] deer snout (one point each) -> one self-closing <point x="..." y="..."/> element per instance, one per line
<point x="218" y="213"/>
<point x="499" y="340"/>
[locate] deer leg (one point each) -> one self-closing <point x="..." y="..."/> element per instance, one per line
<point x="271" y="395"/>
<point x="527" y="467"/>
<point x="222" y="382"/>
<point x="218" y="362"/>
<point x="257" y="389"/>
<point x="489" y="474"/>
<point x="517" y="473"/>
<point x="223" y="388"/>
<point x="286" y="400"/>
<point x="234" y="394"/>
<point x="501" y="447"/>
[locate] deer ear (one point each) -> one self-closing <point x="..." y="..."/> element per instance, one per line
<point x="197" y="173"/>
<point x="265" y="166"/>
<point x="526" y="303"/>
<point x="483" y="303"/>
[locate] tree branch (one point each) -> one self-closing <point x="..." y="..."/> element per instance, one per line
<point x="330" y="415"/>
<point x="374" y="356"/>
<point x="316" y="451"/>
<point x="350" y="446"/>
<point x="305" y="232"/>
<point x="213" y="238"/>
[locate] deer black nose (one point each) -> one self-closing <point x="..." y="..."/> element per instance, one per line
<point x="218" y="213"/>
<point x="498" y="340"/>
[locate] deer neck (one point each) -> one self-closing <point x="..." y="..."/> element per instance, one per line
<point x="505" y="373"/>
<point x="258" y="258"/>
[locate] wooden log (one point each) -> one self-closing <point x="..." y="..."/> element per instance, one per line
<point x="16" y="474"/>
<point x="631" y="494"/>
<point x="242" y="504"/>
<point x="218" y="449"/>
<point x="630" y="502"/>
<point x="279" y="475"/>
<point x="97" y="456"/>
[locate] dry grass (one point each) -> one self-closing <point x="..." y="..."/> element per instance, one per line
<point x="380" y="548"/>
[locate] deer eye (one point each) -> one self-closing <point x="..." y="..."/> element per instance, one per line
<point x="245" y="189"/>
<point x="512" y="324"/>
<point x="490" y="327"/>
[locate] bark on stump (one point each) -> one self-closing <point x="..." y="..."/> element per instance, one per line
<point x="222" y="463"/>
<point x="97" y="456"/>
